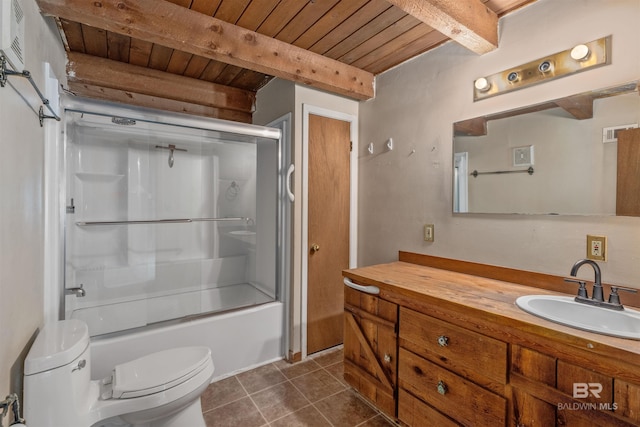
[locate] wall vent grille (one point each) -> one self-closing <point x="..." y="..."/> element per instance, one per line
<point x="12" y="33"/>
<point x="610" y="134"/>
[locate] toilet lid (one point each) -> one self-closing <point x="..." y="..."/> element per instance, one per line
<point x="159" y="371"/>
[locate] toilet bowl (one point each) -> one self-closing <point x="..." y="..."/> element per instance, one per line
<point x="161" y="389"/>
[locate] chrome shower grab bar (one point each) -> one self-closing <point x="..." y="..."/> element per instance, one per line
<point x="158" y="221"/>
<point x="221" y="219"/>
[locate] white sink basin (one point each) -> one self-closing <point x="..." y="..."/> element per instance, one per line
<point x="564" y="310"/>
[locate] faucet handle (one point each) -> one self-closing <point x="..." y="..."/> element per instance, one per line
<point x="614" y="297"/>
<point x="582" y="290"/>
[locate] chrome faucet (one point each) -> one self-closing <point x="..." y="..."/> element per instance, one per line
<point x="597" y="297"/>
<point x="78" y="291"/>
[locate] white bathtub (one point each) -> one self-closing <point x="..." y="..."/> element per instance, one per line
<point x="239" y="340"/>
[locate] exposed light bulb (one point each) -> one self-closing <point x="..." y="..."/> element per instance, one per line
<point x="482" y="84"/>
<point x="580" y="53"/>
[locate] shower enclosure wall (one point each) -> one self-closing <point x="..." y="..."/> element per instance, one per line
<point x="167" y="221"/>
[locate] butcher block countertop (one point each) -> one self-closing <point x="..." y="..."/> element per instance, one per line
<point x="482" y="298"/>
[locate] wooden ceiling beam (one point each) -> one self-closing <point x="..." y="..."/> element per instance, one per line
<point x="170" y="25"/>
<point x="579" y="106"/>
<point x="468" y="22"/>
<point x="149" y="101"/>
<point x="120" y="81"/>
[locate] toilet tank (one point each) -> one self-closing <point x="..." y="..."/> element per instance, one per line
<point x="57" y="344"/>
<point x="57" y="376"/>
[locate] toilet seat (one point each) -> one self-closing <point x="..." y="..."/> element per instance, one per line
<point x="158" y="372"/>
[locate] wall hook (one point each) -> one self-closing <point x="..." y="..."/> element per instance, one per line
<point x="172" y="148"/>
<point x="171" y="159"/>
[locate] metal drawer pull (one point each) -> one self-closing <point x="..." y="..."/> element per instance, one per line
<point x="442" y="388"/>
<point x="443" y="341"/>
<point x="387" y="358"/>
<point x="374" y="290"/>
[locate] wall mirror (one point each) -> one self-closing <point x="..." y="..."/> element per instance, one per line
<point x="558" y="158"/>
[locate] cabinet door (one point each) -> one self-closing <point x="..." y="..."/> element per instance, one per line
<point x="370" y="348"/>
<point x="626" y="397"/>
<point x="529" y="411"/>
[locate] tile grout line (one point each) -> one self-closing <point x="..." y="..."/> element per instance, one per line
<point x="266" y="423"/>
<point x="231" y="401"/>
<point x="313" y="404"/>
<point x="314" y="368"/>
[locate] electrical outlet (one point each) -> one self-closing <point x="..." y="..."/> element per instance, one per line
<point x="597" y="248"/>
<point x="428" y="232"/>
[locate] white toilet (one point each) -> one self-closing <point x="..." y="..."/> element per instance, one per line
<point x="158" y="390"/>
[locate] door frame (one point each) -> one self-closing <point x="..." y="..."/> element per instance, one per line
<point x="285" y="221"/>
<point x="353" y="203"/>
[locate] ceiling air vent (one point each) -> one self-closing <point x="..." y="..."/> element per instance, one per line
<point x="12" y="33"/>
<point x="610" y="134"/>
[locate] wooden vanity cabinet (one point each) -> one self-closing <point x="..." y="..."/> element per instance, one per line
<point x="370" y="348"/>
<point x="550" y="391"/>
<point x="446" y="346"/>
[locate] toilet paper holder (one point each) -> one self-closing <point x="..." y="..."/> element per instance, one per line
<point x="11" y="401"/>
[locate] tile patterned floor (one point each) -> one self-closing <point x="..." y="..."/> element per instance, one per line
<point x="309" y="393"/>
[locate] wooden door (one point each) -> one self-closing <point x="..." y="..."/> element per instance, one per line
<point x="628" y="185"/>
<point x="328" y="232"/>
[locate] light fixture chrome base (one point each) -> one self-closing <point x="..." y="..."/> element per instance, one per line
<point x="561" y="64"/>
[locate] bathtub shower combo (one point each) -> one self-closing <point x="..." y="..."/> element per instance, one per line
<point x="168" y="218"/>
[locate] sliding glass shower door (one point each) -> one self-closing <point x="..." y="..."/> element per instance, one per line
<point x="166" y="221"/>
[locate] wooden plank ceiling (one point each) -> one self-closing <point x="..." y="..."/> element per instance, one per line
<point x="210" y="57"/>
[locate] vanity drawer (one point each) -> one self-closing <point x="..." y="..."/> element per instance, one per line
<point x="461" y="350"/>
<point x="415" y="413"/>
<point x="466" y="402"/>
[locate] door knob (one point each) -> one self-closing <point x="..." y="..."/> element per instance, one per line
<point x="315" y="248"/>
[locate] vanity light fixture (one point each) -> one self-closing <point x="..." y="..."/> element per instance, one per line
<point x="561" y="64"/>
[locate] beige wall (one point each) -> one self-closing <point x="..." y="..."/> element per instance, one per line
<point x="22" y="206"/>
<point x="416" y="104"/>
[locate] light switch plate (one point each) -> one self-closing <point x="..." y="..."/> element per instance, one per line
<point x="428" y="232"/>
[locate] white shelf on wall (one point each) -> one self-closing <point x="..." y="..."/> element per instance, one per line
<point x="98" y="177"/>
